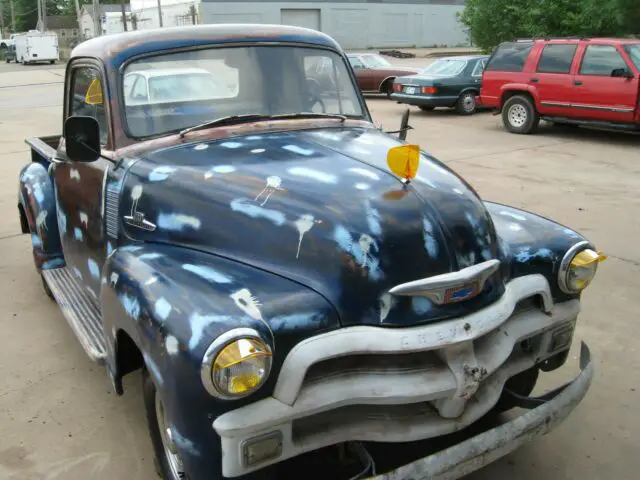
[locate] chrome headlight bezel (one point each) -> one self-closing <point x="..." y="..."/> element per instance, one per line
<point x="217" y="346"/>
<point x="565" y="267"/>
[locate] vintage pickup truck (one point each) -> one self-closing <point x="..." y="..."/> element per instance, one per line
<point x="290" y="279"/>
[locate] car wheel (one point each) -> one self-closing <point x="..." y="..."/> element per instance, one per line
<point x="426" y="109"/>
<point x="387" y="87"/>
<point x="521" y="384"/>
<point x="167" y="458"/>
<point x="519" y="115"/>
<point x="466" y="104"/>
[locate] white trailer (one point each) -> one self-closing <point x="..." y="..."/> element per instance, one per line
<point x="35" y="46"/>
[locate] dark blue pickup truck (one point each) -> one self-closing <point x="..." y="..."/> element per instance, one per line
<point x="288" y="278"/>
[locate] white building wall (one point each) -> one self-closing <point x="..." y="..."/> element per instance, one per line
<point x="86" y="26"/>
<point x="173" y="15"/>
<point x="356" y="25"/>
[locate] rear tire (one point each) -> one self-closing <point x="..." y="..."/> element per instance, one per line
<point x="519" y="115"/>
<point x="466" y="104"/>
<point x="387" y="87"/>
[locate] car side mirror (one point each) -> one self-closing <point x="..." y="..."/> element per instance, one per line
<point x="404" y="126"/>
<point x="82" y="138"/>
<point x="622" y="73"/>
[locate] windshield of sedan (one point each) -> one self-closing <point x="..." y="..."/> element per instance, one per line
<point x="634" y="52"/>
<point x="373" y="61"/>
<point x="170" y="92"/>
<point x="445" y="67"/>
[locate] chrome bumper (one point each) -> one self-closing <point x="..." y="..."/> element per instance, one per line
<point x="485" y="448"/>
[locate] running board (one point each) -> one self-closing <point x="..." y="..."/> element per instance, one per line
<point x="80" y="310"/>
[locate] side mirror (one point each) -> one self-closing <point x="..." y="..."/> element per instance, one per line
<point x="622" y="73"/>
<point x="82" y="138"/>
<point x="404" y="126"/>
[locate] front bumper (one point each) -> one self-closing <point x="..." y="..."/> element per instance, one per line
<point x="485" y="448"/>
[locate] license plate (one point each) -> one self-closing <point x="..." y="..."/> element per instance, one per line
<point x="410" y="90"/>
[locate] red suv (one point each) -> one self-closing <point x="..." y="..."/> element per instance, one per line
<point x="570" y="80"/>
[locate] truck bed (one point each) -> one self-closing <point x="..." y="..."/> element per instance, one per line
<point x="43" y="149"/>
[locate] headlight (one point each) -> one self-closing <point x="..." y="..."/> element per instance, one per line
<point x="236" y="364"/>
<point x="578" y="268"/>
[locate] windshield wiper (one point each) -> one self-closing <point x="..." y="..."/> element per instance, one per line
<point x="250" y="117"/>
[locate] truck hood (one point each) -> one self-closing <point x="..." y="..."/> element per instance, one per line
<point x="319" y="207"/>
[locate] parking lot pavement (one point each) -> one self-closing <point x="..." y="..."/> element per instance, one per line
<point x="59" y="419"/>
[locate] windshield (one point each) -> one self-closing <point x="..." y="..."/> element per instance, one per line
<point x="170" y="92"/>
<point x="373" y="61"/>
<point x="445" y="67"/>
<point x="634" y="52"/>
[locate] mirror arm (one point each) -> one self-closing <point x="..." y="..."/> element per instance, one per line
<point x="408" y="127"/>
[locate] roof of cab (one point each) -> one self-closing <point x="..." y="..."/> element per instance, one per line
<point x="116" y="48"/>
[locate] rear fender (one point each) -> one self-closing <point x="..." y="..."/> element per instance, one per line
<point x="172" y="302"/>
<point x="511" y="89"/>
<point x="37" y="202"/>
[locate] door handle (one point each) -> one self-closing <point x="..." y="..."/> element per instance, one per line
<point x="577" y="82"/>
<point x="534" y="80"/>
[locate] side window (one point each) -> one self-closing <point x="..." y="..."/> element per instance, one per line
<point x="139" y="91"/>
<point x="87" y="98"/>
<point x="557" y="58"/>
<point x="479" y="68"/>
<point x="510" y="57"/>
<point x="601" y="60"/>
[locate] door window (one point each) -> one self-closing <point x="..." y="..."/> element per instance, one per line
<point x="87" y="98"/>
<point x="557" y="58"/>
<point x="139" y="90"/>
<point x="477" y="70"/>
<point x="601" y="60"/>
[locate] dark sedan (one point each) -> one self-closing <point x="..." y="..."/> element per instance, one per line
<point x="452" y="82"/>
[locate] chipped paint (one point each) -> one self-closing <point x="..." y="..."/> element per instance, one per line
<point x="150" y="256"/>
<point x="84" y="219"/>
<point x="231" y="145"/>
<point x="131" y="304"/>
<point x="77" y="234"/>
<point x="74" y="174"/>
<point x="113" y="279"/>
<point x="159" y="174"/>
<point x="387" y="302"/>
<point x="201" y="146"/>
<point x="525" y="255"/>
<point x="172" y="345"/>
<point x="162" y="308"/>
<point x="207" y="273"/>
<point x="314" y="174"/>
<point x="177" y="222"/>
<point x="304" y="224"/>
<point x="184" y="443"/>
<point x="273" y="184"/>
<point x="296" y="321"/>
<point x="219" y="169"/>
<point x="298" y="150"/>
<point x="373" y="219"/>
<point x="430" y="244"/>
<point x="258" y="150"/>
<point x="249" y="304"/>
<point x="254" y="211"/>
<point x="94" y="269"/>
<point x="198" y="323"/>
<point x="421" y="305"/>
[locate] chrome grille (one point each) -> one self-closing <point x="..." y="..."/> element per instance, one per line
<point x="111" y="208"/>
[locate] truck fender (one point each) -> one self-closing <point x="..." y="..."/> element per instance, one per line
<point x="37" y="208"/>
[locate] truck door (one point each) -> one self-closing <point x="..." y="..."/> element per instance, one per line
<point x="553" y="80"/>
<point x="79" y="186"/>
<point x="599" y="93"/>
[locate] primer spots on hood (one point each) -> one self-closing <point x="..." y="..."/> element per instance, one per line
<point x="297" y="321"/>
<point x="273" y="184"/>
<point x="467" y="260"/>
<point x="231" y="144"/>
<point x="516" y="216"/>
<point x="254" y="211"/>
<point x="130" y="305"/>
<point x="219" y="169"/>
<point x="153" y="368"/>
<point x="299" y="150"/>
<point x="94" y="269"/>
<point x="365" y="173"/>
<point x="430" y="244"/>
<point x="421" y="305"/>
<point x="201" y="146"/>
<point x="162" y="309"/>
<point x="254" y="137"/>
<point x="84" y="219"/>
<point x="362" y="250"/>
<point x="246" y="302"/>
<point x="177" y="222"/>
<point x="150" y="256"/>
<point x="199" y="323"/>
<point x="386" y="303"/>
<point x="314" y="174"/>
<point x="77" y="234"/>
<point x="159" y="174"/>
<point x="525" y="255"/>
<point x="304" y="224"/>
<point x="77" y="273"/>
<point x="172" y="345"/>
<point x="207" y="273"/>
<point x="362" y="186"/>
<point x="258" y="150"/>
<point x="373" y="219"/>
<point x="113" y="279"/>
<point x="74" y="174"/>
<point x="130" y="248"/>
<point x="151" y="281"/>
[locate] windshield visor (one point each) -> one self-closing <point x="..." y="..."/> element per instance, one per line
<point x="167" y="93"/>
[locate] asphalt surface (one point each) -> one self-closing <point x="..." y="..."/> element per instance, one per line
<point x="60" y="420"/>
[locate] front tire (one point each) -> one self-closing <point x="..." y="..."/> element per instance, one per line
<point x="466" y="104"/>
<point x="521" y="384"/>
<point x="168" y="464"/>
<point x="519" y="115"/>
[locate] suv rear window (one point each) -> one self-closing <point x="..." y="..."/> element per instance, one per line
<point x="557" y="58"/>
<point x="509" y="57"/>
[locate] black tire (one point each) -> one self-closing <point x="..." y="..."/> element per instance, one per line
<point x="387" y="87"/>
<point x="426" y="109"/>
<point x="466" y="104"/>
<point x="161" y="461"/>
<point x="521" y="384"/>
<point x="52" y="62"/>
<point x="47" y="290"/>
<point x="519" y="115"/>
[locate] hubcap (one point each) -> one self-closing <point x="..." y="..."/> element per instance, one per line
<point x="517" y="115"/>
<point x="469" y="103"/>
<point x="170" y="449"/>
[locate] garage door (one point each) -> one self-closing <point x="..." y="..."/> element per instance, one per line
<point x="301" y="17"/>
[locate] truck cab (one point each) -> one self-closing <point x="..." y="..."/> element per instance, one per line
<point x="286" y="277"/>
<point x="578" y="81"/>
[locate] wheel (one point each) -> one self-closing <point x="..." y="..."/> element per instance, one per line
<point x="7" y="60"/>
<point x="519" y="115"/>
<point x="387" y="87"/>
<point x="466" y="104"/>
<point x="521" y="384"/>
<point x="167" y="458"/>
<point x="47" y="290"/>
<point x="426" y="109"/>
<point x="52" y="62"/>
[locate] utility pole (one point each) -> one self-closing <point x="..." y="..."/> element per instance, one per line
<point x="77" y="5"/>
<point x="43" y="9"/>
<point x="160" y="12"/>
<point x="97" y="19"/>
<point x="39" y="24"/>
<point x="13" y="18"/>
<point x="124" y="15"/>
<point x="2" y="20"/>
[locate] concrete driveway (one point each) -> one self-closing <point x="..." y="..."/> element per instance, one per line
<point x="60" y="420"/>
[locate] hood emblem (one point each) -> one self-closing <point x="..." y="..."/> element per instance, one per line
<point x="136" y="219"/>
<point x="450" y="287"/>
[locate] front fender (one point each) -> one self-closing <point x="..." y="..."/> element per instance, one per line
<point x="36" y="197"/>
<point x="532" y="244"/>
<point x="172" y="302"/>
